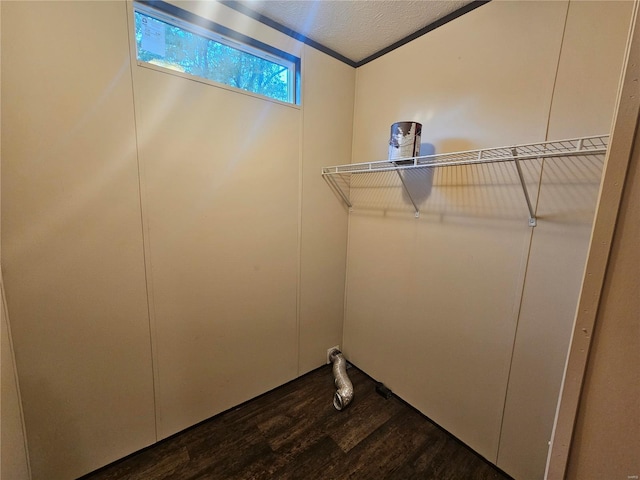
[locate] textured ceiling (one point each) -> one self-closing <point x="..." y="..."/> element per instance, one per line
<point x="355" y="29"/>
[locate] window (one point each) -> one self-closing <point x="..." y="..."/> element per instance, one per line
<point x="184" y="42"/>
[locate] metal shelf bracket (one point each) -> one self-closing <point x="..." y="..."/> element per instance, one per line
<point x="532" y="216"/>
<point x="336" y="187"/>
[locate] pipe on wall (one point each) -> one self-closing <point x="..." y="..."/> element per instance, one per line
<point x="344" y="394"/>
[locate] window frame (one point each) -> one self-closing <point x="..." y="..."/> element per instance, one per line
<point x="208" y="29"/>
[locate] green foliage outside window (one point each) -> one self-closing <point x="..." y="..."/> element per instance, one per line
<point x="172" y="47"/>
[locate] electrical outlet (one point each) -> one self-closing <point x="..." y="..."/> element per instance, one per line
<point x="329" y="350"/>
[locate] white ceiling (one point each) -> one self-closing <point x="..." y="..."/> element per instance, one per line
<point x="355" y="29"/>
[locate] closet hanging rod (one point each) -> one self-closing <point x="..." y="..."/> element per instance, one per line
<point x="560" y="148"/>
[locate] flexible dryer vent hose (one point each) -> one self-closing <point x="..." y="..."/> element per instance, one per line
<point x="344" y="394"/>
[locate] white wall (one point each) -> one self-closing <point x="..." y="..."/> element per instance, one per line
<point x="328" y="92"/>
<point x="221" y="216"/>
<point x="583" y="104"/>
<point x="14" y="463"/>
<point x="466" y="311"/>
<point x="120" y="180"/>
<point x="71" y="235"/>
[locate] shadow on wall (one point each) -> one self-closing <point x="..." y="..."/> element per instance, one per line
<point x="570" y="189"/>
<point x="419" y="181"/>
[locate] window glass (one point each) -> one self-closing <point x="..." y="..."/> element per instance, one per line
<point x="168" y="42"/>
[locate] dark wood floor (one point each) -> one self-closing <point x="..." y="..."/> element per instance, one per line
<point x="294" y="432"/>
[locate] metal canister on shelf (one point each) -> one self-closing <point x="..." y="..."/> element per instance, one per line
<point x="405" y="140"/>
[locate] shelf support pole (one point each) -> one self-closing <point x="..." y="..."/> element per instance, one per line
<point x="404" y="185"/>
<point x="532" y="216"/>
<point x="337" y="188"/>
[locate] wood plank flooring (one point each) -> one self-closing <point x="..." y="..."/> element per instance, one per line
<point x="294" y="432"/>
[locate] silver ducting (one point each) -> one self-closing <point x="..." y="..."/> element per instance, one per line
<point x="344" y="394"/>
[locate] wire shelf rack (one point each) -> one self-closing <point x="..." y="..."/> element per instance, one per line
<point x="576" y="149"/>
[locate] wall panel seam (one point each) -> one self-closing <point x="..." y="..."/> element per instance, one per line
<point x="16" y="381"/>
<point x="531" y="234"/>
<point x="145" y="256"/>
<point x="300" y="209"/>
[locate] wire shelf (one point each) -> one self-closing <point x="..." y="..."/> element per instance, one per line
<point x="577" y="149"/>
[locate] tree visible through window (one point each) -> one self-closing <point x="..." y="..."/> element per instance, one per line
<point x="171" y="46"/>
